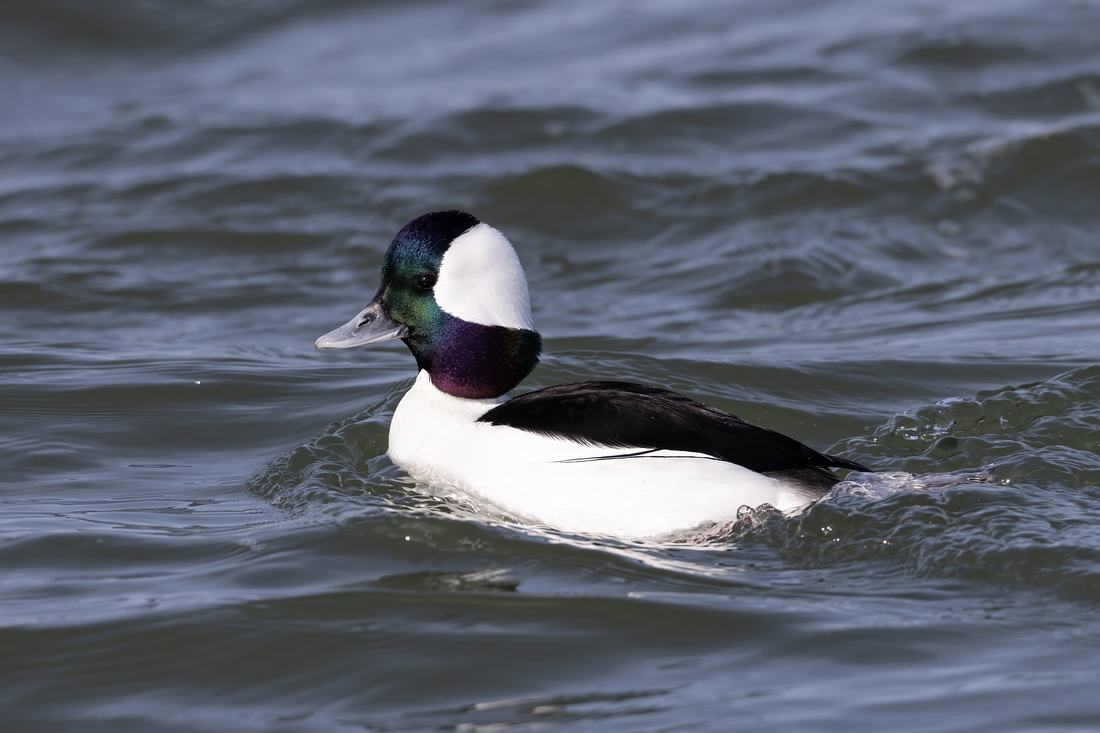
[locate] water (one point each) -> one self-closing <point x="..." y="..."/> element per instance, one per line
<point x="869" y="225"/>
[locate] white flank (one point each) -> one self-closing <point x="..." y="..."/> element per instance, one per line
<point x="435" y="437"/>
<point x="482" y="281"/>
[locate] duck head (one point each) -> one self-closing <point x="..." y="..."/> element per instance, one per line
<point x="454" y="291"/>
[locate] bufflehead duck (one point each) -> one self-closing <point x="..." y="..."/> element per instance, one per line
<point x="611" y="458"/>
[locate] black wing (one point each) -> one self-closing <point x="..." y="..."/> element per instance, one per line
<point x="628" y="415"/>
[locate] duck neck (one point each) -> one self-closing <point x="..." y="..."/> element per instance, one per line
<point x="473" y="361"/>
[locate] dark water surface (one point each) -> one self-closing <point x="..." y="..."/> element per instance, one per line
<point x="870" y="225"/>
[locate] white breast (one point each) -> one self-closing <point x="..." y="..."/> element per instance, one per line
<point x="435" y="437"/>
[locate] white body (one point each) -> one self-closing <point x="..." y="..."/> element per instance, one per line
<point x="437" y="439"/>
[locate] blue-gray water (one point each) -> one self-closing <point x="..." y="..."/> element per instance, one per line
<point x="870" y="225"/>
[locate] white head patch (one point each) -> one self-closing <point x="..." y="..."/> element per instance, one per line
<point x="481" y="281"/>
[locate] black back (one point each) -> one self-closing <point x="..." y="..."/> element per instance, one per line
<point x="628" y="415"/>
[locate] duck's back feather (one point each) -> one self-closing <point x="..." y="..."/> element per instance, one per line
<point x="628" y="415"/>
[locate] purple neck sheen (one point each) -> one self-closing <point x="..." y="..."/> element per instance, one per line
<point x="474" y="361"/>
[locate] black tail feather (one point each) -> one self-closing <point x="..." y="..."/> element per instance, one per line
<point x="838" y="462"/>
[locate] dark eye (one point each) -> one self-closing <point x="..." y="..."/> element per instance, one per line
<point x="425" y="281"/>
